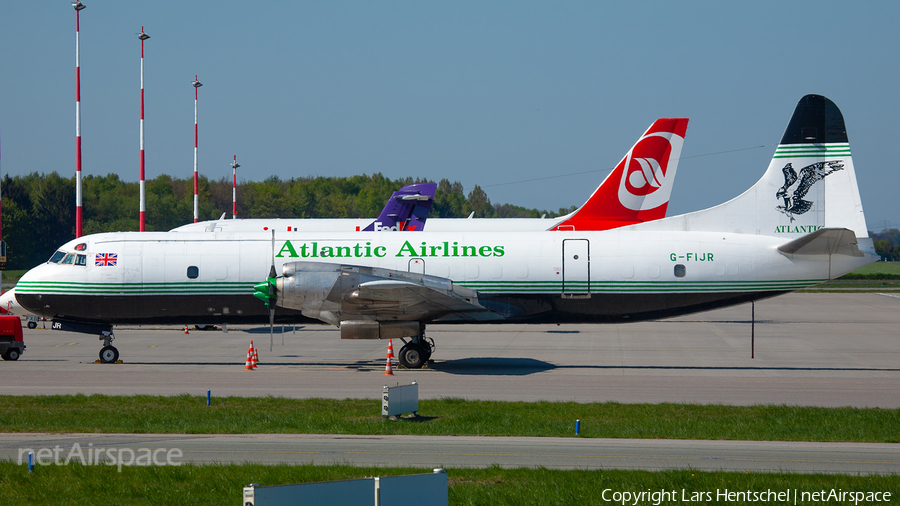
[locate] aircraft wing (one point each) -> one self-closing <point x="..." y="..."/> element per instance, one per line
<point x="337" y="293"/>
<point x="396" y="298"/>
<point x="825" y="241"/>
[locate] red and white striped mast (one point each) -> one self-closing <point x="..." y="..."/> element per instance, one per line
<point x="1" y="218"/>
<point x="78" y="6"/>
<point x="3" y="251"/>
<point x="234" y="166"/>
<point x="196" y="84"/>
<point x="2" y="244"/>
<point x="143" y="36"/>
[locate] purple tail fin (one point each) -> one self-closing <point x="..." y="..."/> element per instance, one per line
<point x="407" y="209"/>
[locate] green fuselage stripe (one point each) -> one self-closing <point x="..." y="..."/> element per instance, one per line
<point x="77" y="288"/>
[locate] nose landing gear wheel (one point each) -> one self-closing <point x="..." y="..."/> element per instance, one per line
<point x="32" y="325"/>
<point x="109" y="355"/>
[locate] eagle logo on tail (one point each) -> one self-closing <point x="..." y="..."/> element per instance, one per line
<point x="794" y="202"/>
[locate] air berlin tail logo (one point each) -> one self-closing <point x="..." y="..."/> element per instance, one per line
<point x="647" y="179"/>
<point x="648" y="171"/>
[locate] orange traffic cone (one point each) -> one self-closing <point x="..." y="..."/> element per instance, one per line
<point x="255" y="359"/>
<point x="186" y="330"/>
<point x="248" y="365"/>
<point x="389" y="368"/>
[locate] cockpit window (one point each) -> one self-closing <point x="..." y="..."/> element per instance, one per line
<point x="70" y="258"/>
<point x="80" y="260"/>
<point x="57" y="257"/>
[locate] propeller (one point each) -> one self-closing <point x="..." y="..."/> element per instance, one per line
<point x="267" y="292"/>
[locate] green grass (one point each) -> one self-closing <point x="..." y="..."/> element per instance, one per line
<point x="880" y="268"/>
<point x="11" y="277"/>
<point x="879" y="276"/>
<point x="222" y="484"/>
<point x="241" y="415"/>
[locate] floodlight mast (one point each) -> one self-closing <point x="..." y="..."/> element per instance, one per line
<point x="196" y="84"/>
<point x="78" y="208"/>
<point x="143" y="36"/>
<point x="2" y="247"/>
<point x="234" y="166"/>
<point x="3" y="252"/>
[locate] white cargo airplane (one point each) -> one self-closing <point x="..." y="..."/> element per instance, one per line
<point x="9" y="304"/>
<point x="636" y="190"/>
<point x="799" y="225"/>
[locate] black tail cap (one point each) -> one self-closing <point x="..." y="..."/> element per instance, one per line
<point x="816" y="120"/>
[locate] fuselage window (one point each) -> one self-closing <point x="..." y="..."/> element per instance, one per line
<point x="70" y="259"/>
<point x="193" y="272"/>
<point x="521" y="271"/>
<point x="81" y="260"/>
<point x="59" y="255"/>
<point x="679" y="271"/>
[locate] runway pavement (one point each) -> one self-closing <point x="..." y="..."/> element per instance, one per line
<point x="811" y="349"/>
<point x="834" y="349"/>
<point x="455" y="452"/>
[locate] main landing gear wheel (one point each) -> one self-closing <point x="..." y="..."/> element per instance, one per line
<point x="414" y="355"/>
<point x="109" y="355"/>
<point x="32" y="325"/>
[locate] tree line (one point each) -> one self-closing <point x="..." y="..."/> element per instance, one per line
<point x="887" y="244"/>
<point x="39" y="209"/>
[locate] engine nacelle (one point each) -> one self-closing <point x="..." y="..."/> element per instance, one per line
<point x="367" y="329"/>
<point x="307" y="285"/>
<point x="370" y="302"/>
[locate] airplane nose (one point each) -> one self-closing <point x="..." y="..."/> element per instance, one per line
<point x="8" y="299"/>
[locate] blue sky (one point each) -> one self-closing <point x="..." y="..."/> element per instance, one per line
<point x="486" y="93"/>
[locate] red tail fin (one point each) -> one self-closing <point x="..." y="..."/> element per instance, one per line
<point x="638" y="189"/>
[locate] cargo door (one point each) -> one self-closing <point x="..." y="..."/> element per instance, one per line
<point x="576" y="268"/>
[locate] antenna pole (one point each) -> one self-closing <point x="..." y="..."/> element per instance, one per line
<point x="196" y="84"/>
<point x="78" y="209"/>
<point x="3" y="252"/>
<point x="234" y="166"/>
<point x="143" y="36"/>
<point x="1" y="222"/>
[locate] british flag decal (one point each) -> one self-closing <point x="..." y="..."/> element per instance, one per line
<point x="106" y="259"/>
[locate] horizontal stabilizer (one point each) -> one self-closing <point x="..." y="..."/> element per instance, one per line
<point x="825" y="241"/>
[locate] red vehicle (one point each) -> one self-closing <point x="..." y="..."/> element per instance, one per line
<point x="12" y="345"/>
